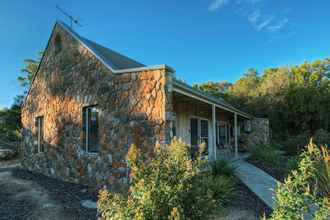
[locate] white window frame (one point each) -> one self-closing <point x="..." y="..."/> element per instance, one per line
<point x="39" y="130"/>
<point x="218" y="125"/>
<point x="86" y="144"/>
<point x="199" y="128"/>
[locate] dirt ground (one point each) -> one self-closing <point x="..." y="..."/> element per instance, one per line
<point x="245" y="206"/>
<point x="26" y="195"/>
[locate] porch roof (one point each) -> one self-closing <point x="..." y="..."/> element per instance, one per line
<point x="183" y="88"/>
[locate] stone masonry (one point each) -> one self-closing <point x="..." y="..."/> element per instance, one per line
<point x="259" y="133"/>
<point x="133" y="108"/>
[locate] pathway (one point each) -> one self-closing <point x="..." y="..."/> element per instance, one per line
<point x="258" y="181"/>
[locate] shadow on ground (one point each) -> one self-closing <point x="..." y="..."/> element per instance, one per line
<point x="26" y="195"/>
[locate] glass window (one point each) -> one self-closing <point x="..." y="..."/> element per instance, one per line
<point x="40" y="134"/>
<point x="221" y="134"/>
<point x="91" y="129"/>
<point x="205" y="133"/>
<point x="174" y="125"/>
<point x="199" y="132"/>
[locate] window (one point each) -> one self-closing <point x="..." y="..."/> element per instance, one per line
<point x="199" y="131"/>
<point x="90" y="129"/>
<point x="221" y="131"/>
<point x="204" y="124"/>
<point x="40" y="134"/>
<point x="173" y="134"/>
<point x="58" y="44"/>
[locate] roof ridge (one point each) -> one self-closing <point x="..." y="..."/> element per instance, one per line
<point x="112" y="59"/>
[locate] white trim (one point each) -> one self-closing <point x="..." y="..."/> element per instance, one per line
<point x="86" y="129"/>
<point x="214" y="132"/>
<point x="209" y="128"/>
<point x="39" y="134"/>
<point x="225" y="124"/>
<point x="86" y="148"/>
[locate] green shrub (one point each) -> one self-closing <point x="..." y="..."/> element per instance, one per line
<point x="293" y="163"/>
<point x="265" y="154"/>
<point x="295" y="144"/>
<point x="323" y="172"/>
<point x="168" y="186"/>
<point x="321" y="137"/>
<point x="298" y="194"/>
<point x="222" y="167"/>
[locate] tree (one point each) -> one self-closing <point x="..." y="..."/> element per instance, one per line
<point x="31" y="67"/>
<point x="296" y="99"/>
<point x="216" y="89"/>
<point x="10" y="118"/>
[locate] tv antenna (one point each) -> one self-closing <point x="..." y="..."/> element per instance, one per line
<point x="71" y="18"/>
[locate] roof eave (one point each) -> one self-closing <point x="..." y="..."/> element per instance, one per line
<point x="211" y="99"/>
<point x="104" y="62"/>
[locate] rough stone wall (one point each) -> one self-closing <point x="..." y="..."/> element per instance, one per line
<point x="259" y="132"/>
<point x="132" y="109"/>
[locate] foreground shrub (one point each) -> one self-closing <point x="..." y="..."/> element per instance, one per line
<point x="323" y="172"/>
<point x="293" y="163"/>
<point x="169" y="186"/>
<point x="300" y="192"/>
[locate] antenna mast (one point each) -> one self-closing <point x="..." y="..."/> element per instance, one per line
<point x="71" y="18"/>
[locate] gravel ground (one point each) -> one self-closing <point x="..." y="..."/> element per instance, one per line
<point x="26" y="195"/>
<point x="244" y="206"/>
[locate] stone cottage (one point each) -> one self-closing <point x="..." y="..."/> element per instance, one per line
<point x="87" y="104"/>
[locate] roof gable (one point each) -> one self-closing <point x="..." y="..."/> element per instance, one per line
<point x="112" y="59"/>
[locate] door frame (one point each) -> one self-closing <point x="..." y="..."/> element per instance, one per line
<point x="209" y="131"/>
<point x="226" y="124"/>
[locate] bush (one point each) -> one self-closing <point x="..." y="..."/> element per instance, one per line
<point x="266" y="155"/>
<point x="321" y="137"/>
<point x="293" y="163"/>
<point x="323" y="172"/>
<point x="169" y="186"/>
<point x="295" y="144"/>
<point x="222" y="167"/>
<point x="299" y="195"/>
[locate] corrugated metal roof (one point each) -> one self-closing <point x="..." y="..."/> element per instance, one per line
<point x="112" y="58"/>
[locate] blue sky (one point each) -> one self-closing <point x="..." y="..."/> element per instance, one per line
<point x="202" y="40"/>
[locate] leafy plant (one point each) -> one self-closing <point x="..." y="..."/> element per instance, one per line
<point x="323" y="172"/>
<point x="223" y="167"/>
<point x="168" y="186"/>
<point x="265" y="154"/>
<point x="298" y="195"/>
<point x="295" y="144"/>
<point x="293" y="163"/>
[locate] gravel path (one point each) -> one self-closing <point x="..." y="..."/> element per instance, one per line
<point x="26" y="195"/>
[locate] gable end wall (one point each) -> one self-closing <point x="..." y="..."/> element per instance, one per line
<point x="134" y="108"/>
